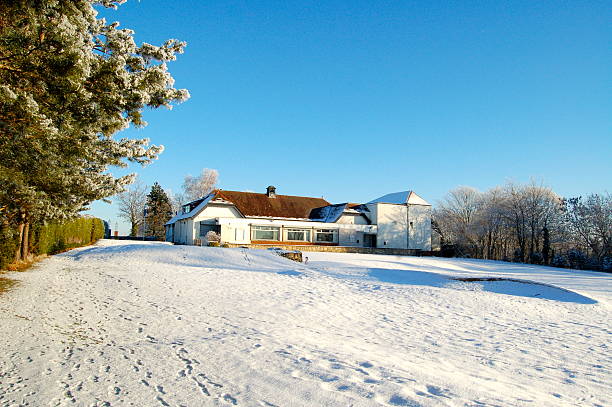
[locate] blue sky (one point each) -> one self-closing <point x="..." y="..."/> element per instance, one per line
<point x="351" y="100"/>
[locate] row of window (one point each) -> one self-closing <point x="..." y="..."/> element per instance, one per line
<point x="294" y="234"/>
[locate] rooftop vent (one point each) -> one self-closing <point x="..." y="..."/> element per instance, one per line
<point x="271" y="192"/>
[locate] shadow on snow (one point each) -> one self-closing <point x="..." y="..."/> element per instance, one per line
<point x="507" y="286"/>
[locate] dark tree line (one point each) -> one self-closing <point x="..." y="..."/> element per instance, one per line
<point x="527" y="223"/>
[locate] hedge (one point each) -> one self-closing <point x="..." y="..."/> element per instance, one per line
<point x="51" y="238"/>
<point x="9" y="240"/>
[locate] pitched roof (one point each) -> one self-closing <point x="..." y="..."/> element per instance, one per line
<point x="281" y="206"/>
<point x="401" y="198"/>
<point x="329" y="214"/>
<point x="195" y="207"/>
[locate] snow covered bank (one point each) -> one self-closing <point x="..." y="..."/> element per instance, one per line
<point x="155" y="324"/>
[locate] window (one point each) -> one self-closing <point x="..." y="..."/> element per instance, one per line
<point x="207" y="227"/>
<point x="326" y="235"/>
<point x="265" y="232"/>
<point x="300" y="235"/>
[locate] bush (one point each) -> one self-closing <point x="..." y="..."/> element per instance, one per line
<point x="50" y="238"/>
<point x="606" y="264"/>
<point x="212" y="236"/>
<point x="577" y="259"/>
<point x="58" y="237"/>
<point x="536" y="258"/>
<point x="559" y="261"/>
<point x="9" y="241"/>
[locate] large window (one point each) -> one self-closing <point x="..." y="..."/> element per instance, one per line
<point x="326" y="236"/>
<point x="297" y="235"/>
<point x="207" y="227"/>
<point x="265" y="232"/>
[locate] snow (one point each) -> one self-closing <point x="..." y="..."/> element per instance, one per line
<point x="401" y="198"/>
<point x="145" y="324"/>
<point x="193" y="212"/>
<point x="328" y="214"/>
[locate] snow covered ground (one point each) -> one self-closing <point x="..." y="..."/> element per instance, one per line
<point x="148" y="324"/>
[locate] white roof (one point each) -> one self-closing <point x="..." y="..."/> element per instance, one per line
<point x="193" y="212"/>
<point x="401" y="198"/>
<point x="330" y="214"/>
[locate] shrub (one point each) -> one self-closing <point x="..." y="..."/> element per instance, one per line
<point x="50" y="238"/>
<point x="212" y="236"/>
<point x="559" y="261"/>
<point x="9" y="241"/>
<point x="606" y="264"/>
<point x="577" y="259"/>
<point x="536" y="258"/>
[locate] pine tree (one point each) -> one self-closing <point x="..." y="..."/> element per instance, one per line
<point x="68" y="82"/>
<point x="158" y="212"/>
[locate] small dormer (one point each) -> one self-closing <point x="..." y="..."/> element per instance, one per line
<point x="271" y="191"/>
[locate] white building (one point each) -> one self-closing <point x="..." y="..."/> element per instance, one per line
<point x="400" y="221"/>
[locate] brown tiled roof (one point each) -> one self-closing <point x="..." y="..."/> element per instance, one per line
<point x="281" y="206"/>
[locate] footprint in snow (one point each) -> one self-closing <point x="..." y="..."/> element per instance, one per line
<point x="397" y="400"/>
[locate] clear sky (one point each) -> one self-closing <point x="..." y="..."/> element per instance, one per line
<point x="351" y="100"/>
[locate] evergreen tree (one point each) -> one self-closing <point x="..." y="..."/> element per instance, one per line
<point x="158" y="212"/>
<point x="68" y="82"/>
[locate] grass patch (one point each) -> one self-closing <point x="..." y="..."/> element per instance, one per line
<point x="23" y="265"/>
<point x="6" y="284"/>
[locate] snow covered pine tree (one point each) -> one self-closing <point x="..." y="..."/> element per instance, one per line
<point x="158" y="212"/>
<point x="68" y="82"/>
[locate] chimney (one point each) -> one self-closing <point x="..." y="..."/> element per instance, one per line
<point x="271" y="192"/>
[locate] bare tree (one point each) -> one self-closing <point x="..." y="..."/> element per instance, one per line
<point x="591" y="222"/>
<point x="527" y="223"/>
<point x="199" y="186"/>
<point x="177" y="200"/>
<point x="491" y="225"/>
<point x="456" y="217"/>
<point x="543" y="205"/>
<point x="131" y="205"/>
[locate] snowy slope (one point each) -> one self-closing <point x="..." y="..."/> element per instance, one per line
<point x="149" y="324"/>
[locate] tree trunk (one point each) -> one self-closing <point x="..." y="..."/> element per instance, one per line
<point x="18" y="251"/>
<point x="546" y="246"/>
<point x="25" y="242"/>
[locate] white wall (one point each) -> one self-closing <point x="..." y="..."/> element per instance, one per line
<point x="233" y="232"/>
<point x="351" y="237"/>
<point x="180" y="232"/>
<point x="352" y="219"/>
<point x="238" y="230"/>
<point x="392" y="223"/>
<point x="189" y="230"/>
<point x="211" y="212"/>
<point x="420" y="231"/>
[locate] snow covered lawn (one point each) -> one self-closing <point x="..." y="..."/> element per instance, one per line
<point x="147" y="324"/>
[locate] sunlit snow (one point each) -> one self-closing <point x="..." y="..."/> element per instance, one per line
<point x="146" y="324"/>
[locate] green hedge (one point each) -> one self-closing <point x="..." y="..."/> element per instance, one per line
<point x="58" y="237"/>
<point x="9" y="239"/>
<point x="51" y="238"/>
